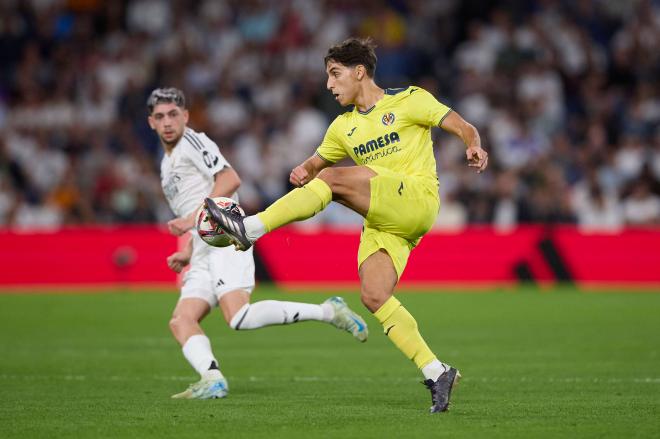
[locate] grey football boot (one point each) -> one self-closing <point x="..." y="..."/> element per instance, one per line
<point x="441" y="389"/>
<point x="230" y="222"/>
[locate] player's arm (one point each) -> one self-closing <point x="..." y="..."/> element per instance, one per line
<point x="178" y="260"/>
<point x="476" y="156"/>
<point x="226" y="182"/>
<point x="329" y="152"/>
<point x="307" y="170"/>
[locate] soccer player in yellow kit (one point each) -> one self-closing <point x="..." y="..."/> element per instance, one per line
<point x="394" y="187"/>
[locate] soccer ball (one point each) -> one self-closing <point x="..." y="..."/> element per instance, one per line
<point x="206" y="228"/>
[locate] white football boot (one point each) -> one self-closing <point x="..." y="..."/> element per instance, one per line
<point x="348" y="320"/>
<point x="206" y="388"/>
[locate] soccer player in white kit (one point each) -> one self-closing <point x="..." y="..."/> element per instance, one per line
<point x="193" y="168"/>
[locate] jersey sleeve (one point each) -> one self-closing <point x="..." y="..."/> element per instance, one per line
<point x="331" y="149"/>
<point x="204" y="154"/>
<point x="425" y="109"/>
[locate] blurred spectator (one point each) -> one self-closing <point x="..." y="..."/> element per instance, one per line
<point x="597" y="210"/>
<point x="565" y="95"/>
<point x="506" y="208"/>
<point x="642" y="207"/>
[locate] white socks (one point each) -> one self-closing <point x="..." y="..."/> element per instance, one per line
<point x="434" y="369"/>
<point x="275" y="312"/>
<point x="197" y="351"/>
<point x="254" y="228"/>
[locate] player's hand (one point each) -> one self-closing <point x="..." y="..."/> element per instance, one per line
<point x="177" y="261"/>
<point x="299" y="176"/>
<point x="179" y="226"/>
<point x="477" y="158"/>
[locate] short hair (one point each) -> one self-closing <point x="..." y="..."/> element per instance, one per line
<point x="166" y="95"/>
<point x="354" y="51"/>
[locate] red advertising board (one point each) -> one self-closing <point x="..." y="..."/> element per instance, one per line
<point x="297" y="257"/>
<point x="87" y="256"/>
<point x="476" y="256"/>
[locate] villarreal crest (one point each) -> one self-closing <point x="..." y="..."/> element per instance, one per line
<point x="388" y="119"/>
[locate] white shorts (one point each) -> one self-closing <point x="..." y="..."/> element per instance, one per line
<point x="215" y="271"/>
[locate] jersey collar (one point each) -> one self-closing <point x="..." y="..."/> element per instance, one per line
<point x="365" y="112"/>
<point x="387" y="91"/>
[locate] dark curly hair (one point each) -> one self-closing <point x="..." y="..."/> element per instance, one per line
<point x="353" y="52"/>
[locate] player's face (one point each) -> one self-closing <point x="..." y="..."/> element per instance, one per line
<point x="342" y="82"/>
<point x="169" y="121"/>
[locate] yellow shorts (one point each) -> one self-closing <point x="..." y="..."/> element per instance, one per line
<point x="402" y="209"/>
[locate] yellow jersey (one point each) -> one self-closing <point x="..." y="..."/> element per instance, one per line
<point x="395" y="134"/>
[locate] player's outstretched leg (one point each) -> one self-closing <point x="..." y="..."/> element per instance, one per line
<point x="242" y="315"/>
<point x="297" y="205"/>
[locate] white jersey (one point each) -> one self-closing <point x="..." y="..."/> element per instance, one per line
<point x="187" y="173"/>
<point x="187" y="176"/>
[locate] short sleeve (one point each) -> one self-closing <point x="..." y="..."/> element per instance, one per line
<point x="204" y="154"/>
<point x="425" y="109"/>
<point x="331" y="148"/>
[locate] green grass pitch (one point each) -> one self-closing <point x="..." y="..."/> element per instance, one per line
<point x="552" y="363"/>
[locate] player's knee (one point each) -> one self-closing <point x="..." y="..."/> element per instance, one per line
<point x="238" y="318"/>
<point x="233" y="323"/>
<point x="336" y="180"/>
<point x="179" y="323"/>
<point x="328" y="175"/>
<point x="371" y="303"/>
<point x="372" y="299"/>
<point x="175" y="324"/>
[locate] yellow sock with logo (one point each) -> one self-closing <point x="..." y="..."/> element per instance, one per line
<point x="297" y="205"/>
<point x="400" y="326"/>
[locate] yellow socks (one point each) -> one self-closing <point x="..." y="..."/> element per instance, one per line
<point x="299" y="204"/>
<point x="401" y="328"/>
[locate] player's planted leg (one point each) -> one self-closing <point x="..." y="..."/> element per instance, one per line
<point x="400" y="326"/>
<point x="212" y="384"/>
<point x="196" y="348"/>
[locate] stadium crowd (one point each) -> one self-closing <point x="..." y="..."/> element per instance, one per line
<point x="565" y="96"/>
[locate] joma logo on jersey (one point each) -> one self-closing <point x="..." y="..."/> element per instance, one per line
<point x="373" y="145"/>
<point x="388" y="119"/>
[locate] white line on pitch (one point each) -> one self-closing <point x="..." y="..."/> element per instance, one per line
<point x="640" y="380"/>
